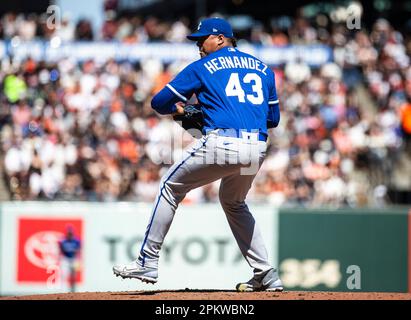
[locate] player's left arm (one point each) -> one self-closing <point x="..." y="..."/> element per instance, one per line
<point x="164" y="102"/>
<point x="171" y="98"/>
<point x="273" y="118"/>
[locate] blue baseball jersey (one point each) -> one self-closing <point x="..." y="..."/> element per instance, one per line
<point x="234" y="88"/>
<point x="70" y="247"/>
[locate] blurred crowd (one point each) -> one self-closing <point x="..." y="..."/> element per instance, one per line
<point x="333" y="148"/>
<point x="86" y="131"/>
<point x="26" y="27"/>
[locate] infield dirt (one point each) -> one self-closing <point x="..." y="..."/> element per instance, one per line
<point x="215" y="295"/>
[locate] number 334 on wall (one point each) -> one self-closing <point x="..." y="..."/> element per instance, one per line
<point x="310" y="273"/>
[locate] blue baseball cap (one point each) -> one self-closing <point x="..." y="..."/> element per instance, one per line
<point x="214" y="26"/>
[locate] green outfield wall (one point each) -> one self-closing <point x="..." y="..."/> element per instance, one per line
<point x="344" y="250"/>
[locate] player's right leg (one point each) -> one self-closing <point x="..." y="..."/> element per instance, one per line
<point x="233" y="191"/>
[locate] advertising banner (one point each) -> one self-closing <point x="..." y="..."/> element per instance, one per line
<point x="38" y="249"/>
<point x="200" y="251"/>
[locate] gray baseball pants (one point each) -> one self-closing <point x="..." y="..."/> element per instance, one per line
<point x="233" y="160"/>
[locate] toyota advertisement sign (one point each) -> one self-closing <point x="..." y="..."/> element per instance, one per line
<point x="199" y="252"/>
<point x="39" y="257"/>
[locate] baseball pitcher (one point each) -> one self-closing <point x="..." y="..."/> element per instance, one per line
<point x="237" y="104"/>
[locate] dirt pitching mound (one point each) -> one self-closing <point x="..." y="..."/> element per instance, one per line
<point x="215" y="295"/>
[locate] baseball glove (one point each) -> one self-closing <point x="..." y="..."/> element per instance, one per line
<point x="192" y="120"/>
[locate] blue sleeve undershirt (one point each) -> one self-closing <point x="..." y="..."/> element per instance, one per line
<point x="273" y="118"/>
<point x="164" y="101"/>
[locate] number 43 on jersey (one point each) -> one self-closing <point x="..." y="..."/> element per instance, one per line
<point x="234" y="88"/>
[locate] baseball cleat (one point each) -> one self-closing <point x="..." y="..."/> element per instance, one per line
<point x="134" y="270"/>
<point x="267" y="282"/>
